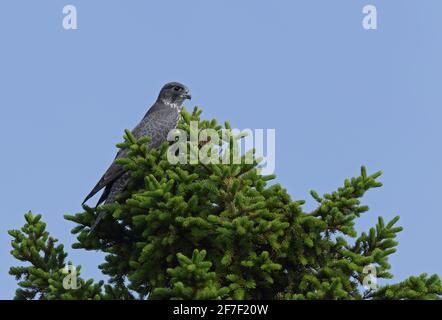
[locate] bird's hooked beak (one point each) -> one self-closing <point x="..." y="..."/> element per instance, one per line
<point x="187" y="95"/>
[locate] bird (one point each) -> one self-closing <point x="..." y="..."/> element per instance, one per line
<point x="159" y="120"/>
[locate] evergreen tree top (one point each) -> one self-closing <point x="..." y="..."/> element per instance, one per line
<point x="218" y="231"/>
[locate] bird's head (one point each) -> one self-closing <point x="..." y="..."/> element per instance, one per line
<point x="174" y="93"/>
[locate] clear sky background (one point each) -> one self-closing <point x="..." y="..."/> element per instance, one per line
<point x="338" y="96"/>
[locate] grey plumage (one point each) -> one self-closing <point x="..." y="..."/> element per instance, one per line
<point x="162" y="117"/>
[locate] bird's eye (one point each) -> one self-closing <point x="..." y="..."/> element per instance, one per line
<point x="176" y="88"/>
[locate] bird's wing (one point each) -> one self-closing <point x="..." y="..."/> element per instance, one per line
<point x="113" y="173"/>
<point x="156" y="123"/>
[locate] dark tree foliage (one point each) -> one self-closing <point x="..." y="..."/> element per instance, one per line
<point x="218" y="231"/>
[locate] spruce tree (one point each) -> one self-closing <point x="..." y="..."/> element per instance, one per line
<point x="218" y="231"/>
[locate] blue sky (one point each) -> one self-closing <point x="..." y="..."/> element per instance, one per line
<point x="338" y="96"/>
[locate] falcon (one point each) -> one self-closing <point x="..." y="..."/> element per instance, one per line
<point x="162" y="117"/>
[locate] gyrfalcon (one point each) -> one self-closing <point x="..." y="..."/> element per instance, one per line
<point x="162" y="117"/>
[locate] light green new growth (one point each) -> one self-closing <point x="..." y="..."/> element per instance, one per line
<point x="218" y="231"/>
